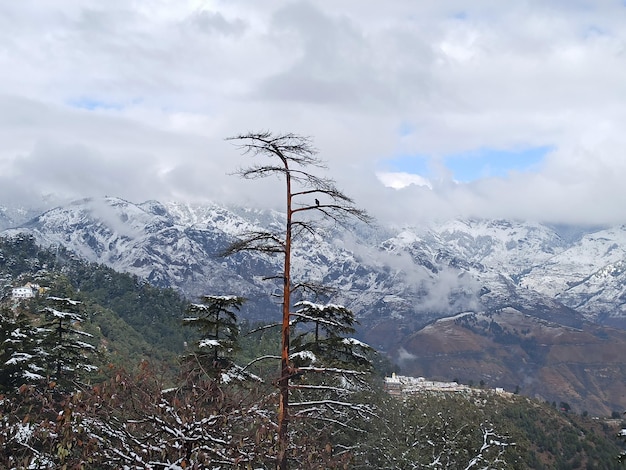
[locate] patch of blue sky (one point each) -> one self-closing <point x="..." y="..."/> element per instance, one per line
<point x="92" y="104"/>
<point x="476" y="164"/>
<point x="406" y="128"/>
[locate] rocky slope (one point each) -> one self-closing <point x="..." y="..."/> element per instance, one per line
<point x="412" y="274"/>
<point x="583" y="367"/>
<point x="396" y="279"/>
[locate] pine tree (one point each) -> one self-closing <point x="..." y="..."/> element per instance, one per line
<point x="328" y="339"/>
<point x="22" y="360"/>
<point x="289" y="156"/>
<point x="216" y="320"/>
<point x="69" y="356"/>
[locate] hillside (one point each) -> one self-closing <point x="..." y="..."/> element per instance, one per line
<point x="413" y="274"/>
<point x="583" y="366"/>
<point x="129" y="318"/>
<point x="133" y="320"/>
<point x="397" y="280"/>
<point x="436" y="428"/>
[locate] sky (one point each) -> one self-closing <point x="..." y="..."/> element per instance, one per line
<point x="421" y="110"/>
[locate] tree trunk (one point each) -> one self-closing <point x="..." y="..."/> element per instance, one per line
<point x="285" y="372"/>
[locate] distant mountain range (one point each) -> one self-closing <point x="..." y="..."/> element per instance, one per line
<point x="396" y="279"/>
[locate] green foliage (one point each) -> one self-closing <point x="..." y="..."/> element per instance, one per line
<point x="324" y="336"/>
<point x="153" y="312"/>
<point x="129" y="318"/>
<point x="64" y="344"/>
<point x="560" y="440"/>
<point x="448" y="430"/>
<point x="216" y="322"/>
<point x="134" y="418"/>
<point x="22" y="359"/>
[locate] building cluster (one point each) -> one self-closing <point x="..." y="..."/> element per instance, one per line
<point x="398" y="385"/>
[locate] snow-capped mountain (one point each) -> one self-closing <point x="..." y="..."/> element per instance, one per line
<point x="411" y="275"/>
<point x="500" y="285"/>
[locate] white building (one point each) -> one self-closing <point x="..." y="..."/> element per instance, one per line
<point x="27" y="291"/>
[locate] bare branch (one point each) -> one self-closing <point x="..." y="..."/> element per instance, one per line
<point x="259" y="359"/>
<point x="324" y="419"/>
<point x="344" y="404"/>
<point x="315" y="288"/>
<point x="264" y="242"/>
<point x="300" y="227"/>
<point x="292" y="147"/>
<point x="339" y="213"/>
<point x="322" y="387"/>
<point x="263" y="328"/>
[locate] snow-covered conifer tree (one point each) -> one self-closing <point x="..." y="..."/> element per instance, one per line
<point x="69" y="356"/>
<point x="325" y="335"/>
<point x="215" y="318"/>
<point x="22" y="359"/>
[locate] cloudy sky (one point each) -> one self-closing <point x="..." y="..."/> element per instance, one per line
<point x="421" y="109"/>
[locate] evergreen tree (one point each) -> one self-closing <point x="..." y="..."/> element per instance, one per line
<point x="216" y="320"/>
<point x="328" y="339"/>
<point x="22" y="359"/>
<point x="69" y="356"/>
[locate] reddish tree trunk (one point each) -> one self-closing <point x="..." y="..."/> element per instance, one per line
<point x="283" y="384"/>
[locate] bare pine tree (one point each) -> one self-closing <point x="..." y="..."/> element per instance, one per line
<point x="291" y="157"/>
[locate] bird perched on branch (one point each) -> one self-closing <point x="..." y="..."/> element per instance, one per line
<point x="317" y="202"/>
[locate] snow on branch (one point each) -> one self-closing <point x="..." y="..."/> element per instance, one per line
<point x="63" y="315"/>
<point x="304" y="355"/>
<point x="64" y="300"/>
<point x="209" y="343"/>
<point x="321" y="321"/>
<point x="355" y="342"/>
<point x="319" y="307"/>
<point x="343" y="404"/>
<point x="490" y="440"/>
<point x="261" y="358"/>
<point x="333" y="370"/>
<point x="342" y="390"/>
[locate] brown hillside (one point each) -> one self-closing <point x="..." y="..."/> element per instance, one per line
<point x="585" y="368"/>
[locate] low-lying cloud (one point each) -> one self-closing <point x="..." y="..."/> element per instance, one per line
<point x="135" y="100"/>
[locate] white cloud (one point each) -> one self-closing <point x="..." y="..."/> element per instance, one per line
<point x="399" y="180"/>
<point x="135" y="99"/>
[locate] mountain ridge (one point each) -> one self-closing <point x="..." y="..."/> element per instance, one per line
<point x="397" y="280"/>
<point x="440" y="269"/>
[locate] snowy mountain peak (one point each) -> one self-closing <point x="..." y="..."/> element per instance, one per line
<point x="430" y="272"/>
